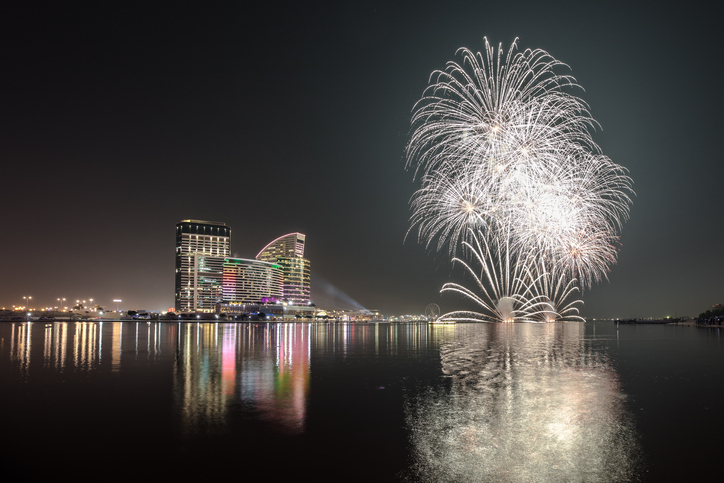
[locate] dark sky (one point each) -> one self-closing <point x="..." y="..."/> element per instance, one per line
<point x="117" y="122"/>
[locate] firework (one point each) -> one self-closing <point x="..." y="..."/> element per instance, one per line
<point x="510" y="173"/>
<point x="511" y="287"/>
<point x="548" y="296"/>
<point x="447" y="205"/>
<point x="496" y="112"/>
<point x="500" y="281"/>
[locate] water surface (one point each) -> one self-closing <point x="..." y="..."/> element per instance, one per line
<point x="390" y="402"/>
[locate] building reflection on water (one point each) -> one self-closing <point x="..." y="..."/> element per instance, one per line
<point x="525" y="402"/>
<point x="264" y="366"/>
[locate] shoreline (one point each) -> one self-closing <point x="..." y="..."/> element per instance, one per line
<point x="693" y="323"/>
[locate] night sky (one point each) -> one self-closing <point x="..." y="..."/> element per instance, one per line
<point x="118" y="122"/>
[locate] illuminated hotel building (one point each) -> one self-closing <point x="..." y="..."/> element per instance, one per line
<point x="251" y="281"/>
<point x="288" y="252"/>
<point x="201" y="248"/>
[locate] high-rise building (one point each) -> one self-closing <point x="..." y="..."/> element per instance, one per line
<point x="288" y="252"/>
<point x="201" y="247"/>
<point x="251" y="281"/>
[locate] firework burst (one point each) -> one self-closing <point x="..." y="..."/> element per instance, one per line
<point x="448" y="204"/>
<point x="510" y="173"/>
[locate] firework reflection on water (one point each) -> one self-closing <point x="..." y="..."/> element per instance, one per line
<point x="527" y="402"/>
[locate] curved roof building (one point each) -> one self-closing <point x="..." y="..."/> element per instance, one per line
<point x="288" y="246"/>
<point x="288" y="252"/>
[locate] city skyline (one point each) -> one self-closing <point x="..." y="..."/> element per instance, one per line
<point x="117" y="123"/>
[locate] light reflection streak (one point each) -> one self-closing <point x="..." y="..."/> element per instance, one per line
<point x="116" y="346"/>
<point x="47" y="345"/>
<point x="85" y="341"/>
<point x="526" y="402"/>
<point x="20" y="347"/>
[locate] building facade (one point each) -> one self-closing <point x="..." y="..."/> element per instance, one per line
<point x="287" y="251"/>
<point x="251" y="281"/>
<point x="296" y="287"/>
<point x="201" y="249"/>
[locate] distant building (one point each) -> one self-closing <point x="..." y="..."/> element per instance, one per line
<point x="251" y="281"/>
<point x="201" y="248"/>
<point x="288" y="252"/>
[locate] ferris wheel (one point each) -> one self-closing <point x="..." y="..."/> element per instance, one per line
<point x="432" y="311"/>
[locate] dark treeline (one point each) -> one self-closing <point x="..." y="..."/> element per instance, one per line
<point x="712" y="316"/>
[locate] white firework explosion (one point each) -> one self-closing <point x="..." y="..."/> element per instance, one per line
<point x="504" y="154"/>
<point x="448" y="205"/>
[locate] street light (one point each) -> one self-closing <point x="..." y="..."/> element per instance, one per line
<point x="63" y="300"/>
<point x="117" y="301"/>
<point x="27" y="299"/>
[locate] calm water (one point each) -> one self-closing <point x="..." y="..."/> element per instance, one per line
<point x="472" y="402"/>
